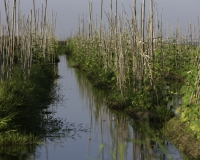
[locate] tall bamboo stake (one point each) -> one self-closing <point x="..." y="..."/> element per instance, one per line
<point x="7" y="16"/>
<point x="143" y="39"/>
<point x="111" y="18"/>
<point x="116" y="17"/>
<point x="101" y="19"/>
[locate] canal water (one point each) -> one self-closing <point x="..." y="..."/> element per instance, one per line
<point x="96" y="133"/>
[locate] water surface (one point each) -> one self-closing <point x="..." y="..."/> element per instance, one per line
<point x="110" y="135"/>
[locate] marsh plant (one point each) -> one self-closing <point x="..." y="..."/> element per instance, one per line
<point x="138" y="61"/>
<point x="28" y="58"/>
<point x="26" y="40"/>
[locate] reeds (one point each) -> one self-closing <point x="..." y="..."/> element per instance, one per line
<point x="26" y="40"/>
<point x="27" y="45"/>
<point x="121" y="44"/>
<point x="117" y="127"/>
<point x="126" y="41"/>
<point x="142" y="56"/>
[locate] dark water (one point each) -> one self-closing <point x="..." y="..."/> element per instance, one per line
<point x="111" y="136"/>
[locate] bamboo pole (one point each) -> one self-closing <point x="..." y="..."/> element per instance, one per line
<point x="100" y="34"/>
<point x="13" y="35"/>
<point x="134" y="52"/>
<point x="143" y="40"/>
<point x="35" y="17"/>
<point x="30" y="41"/>
<point x="20" y="37"/>
<point x="90" y="17"/>
<point x="116" y="17"/>
<point x="18" y="33"/>
<point x="7" y="16"/>
<point x="111" y="18"/>
<point x="1" y="51"/>
<point x="151" y="51"/>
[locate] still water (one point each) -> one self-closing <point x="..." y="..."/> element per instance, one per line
<point x="93" y="132"/>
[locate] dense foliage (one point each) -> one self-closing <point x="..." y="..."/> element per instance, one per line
<point x="141" y="69"/>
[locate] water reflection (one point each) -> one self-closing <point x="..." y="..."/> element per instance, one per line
<point x="91" y="131"/>
<point x="122" y="136"/>
<point x="49" y="129"/>
<point x="13" y="152"/>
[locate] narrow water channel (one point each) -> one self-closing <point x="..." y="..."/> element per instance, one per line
<point x="110" y="136"/>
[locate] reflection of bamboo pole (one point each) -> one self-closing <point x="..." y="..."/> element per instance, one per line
<point x="134" y="146"/>
<point x="46" y="148"/>
<point x="89" y="135"/>
<point x="89" y="99"/>
<point x="102" y="142"/>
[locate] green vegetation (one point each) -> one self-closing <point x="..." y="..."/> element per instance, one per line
<point x="61" y="48"/>
<point x="28" y="70"/>
<point x="16" y="151"/>
<point x="135" y="100"/>
<point x="21" y="104"/>
<point x="146" y="138"/>
<point x="141" y="69"/>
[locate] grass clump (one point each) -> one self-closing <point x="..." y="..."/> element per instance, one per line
<point x="14" y="137"/>
<point x="21" y="104"/>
